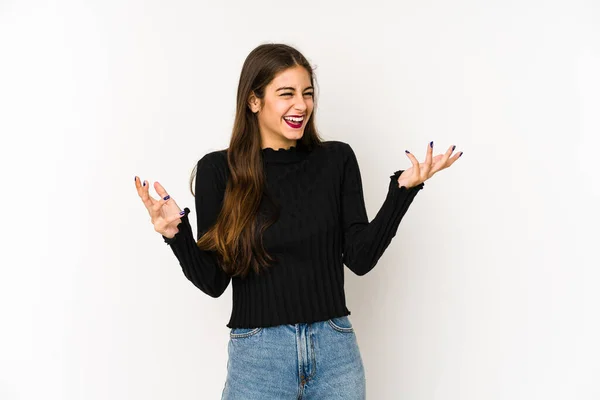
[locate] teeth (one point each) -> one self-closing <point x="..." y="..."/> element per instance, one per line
<point x="294" y="119"/>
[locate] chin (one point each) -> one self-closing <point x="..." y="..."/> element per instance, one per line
<point x="290" y="135"/>
<point x="294" y="136"/>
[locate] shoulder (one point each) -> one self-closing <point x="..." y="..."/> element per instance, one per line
<point x="216" y="158"/>
<point x="342" y="152"/>
<point x="214" y="162"/>
<point x="337" y="148"/>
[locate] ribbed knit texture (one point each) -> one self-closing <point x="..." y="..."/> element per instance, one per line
<point x="322" y="225"/>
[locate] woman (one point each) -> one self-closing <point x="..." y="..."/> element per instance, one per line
<point x="279" y="213"/>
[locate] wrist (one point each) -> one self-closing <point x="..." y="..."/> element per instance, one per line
<point x="403" y="183"/>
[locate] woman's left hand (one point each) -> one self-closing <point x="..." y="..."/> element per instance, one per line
<point x="420" y="172"/>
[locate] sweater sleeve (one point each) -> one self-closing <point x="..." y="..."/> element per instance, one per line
<point x="364" y="242"/>
<point x="199" y="266"/>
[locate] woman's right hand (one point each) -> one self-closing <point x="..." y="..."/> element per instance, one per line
<point x="165" y="214"/>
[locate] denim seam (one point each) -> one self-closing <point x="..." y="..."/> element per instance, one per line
<point x="247" y="334"/>
<point x="314" y="361"/>
<point x="339" y="328"/>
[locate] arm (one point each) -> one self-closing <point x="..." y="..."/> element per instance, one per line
<point x="364" y="242"/>
<point x="199" y="266"/>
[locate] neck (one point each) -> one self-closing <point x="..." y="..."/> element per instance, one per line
<point x="278" y="144"/>
<point x="283" y="155"/>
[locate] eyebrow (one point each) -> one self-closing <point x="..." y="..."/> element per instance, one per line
<point x="291" y="88"/>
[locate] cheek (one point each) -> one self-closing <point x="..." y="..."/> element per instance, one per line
<point x="279" y="110"/>
<point x="272" y="114"/>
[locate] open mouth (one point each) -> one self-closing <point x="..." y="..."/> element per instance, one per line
<point x="294" y="122"/>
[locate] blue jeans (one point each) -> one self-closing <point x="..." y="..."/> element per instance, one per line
<point x="308" y="361"/>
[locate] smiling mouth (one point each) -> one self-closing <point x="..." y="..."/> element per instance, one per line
<point x="294" y="122"/>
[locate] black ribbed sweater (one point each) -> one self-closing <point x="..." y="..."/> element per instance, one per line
<point x="322" y="225"/>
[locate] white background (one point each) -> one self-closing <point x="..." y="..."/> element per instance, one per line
<point x="488" y="291"/>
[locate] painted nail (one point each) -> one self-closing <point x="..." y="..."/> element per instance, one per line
<point x="431" y="144"/>
<point x="167" y="197"/>
<point x="407" y="151"/>
<point x="460" y="154"/>
<point x="453" y="147"/>
<point x="144" y="183"/>
<point x="135" y="178"/>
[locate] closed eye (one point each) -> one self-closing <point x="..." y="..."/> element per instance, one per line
<point x="291" y="94"/>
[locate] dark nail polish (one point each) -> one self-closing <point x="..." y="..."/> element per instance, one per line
<point x="167" y="197"/>
<point x="461" y="153"/>
<point x="135" y="178"/>
<point x="431" y="144"/>
<point x="144" y="183"/>
<point x="453" y="147"/>
<point x="406" y="151"/>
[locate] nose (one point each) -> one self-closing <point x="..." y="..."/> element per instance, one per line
<point x="300" y="105"/>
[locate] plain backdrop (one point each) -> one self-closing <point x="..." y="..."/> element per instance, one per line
<point x="489" y="289"/>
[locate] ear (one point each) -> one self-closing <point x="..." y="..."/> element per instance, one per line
<point x="253" y="103"/>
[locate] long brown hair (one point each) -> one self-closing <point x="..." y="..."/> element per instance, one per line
<point x="236" y="235"/>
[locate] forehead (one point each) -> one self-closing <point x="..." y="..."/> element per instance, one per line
<point x="295" y="76"/>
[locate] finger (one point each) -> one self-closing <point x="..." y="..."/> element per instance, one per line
<point x="175" y="217"/>
<point x="160" y="227"/>
<point x="161" y="202"/>
<point x="449" y="152"/>
<point x="138" y="186"/>
<point x="158" y="205"/>
<point x="442" y="160"/>
<point x="143" y="192"/>
<point x="428" y="157"/>
<point x="454" y="158"/>
<point x="146" y="191"/>
<point x="414" y="161"/>
<point x="160" y="190"/>
<point x="445" y="163"/>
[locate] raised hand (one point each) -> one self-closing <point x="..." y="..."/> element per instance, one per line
<point x="165" y="214"/>
<point x="420" y="172"/>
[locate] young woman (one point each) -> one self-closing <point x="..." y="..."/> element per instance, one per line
<point x="279" y="212"/>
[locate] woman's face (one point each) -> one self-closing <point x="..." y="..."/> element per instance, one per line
<point x="289" y="94"/>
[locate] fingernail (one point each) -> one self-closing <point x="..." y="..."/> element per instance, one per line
<point x="167" y="197"/>
<point x="407" y="151"/>
<point x="460" y="154"/>
<point x="135" y="178"/>
<point x="431" y="144"/>
<point x="453" y="147"/>
<point x="144" y="183"/>
<point x="182" y="213"/>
